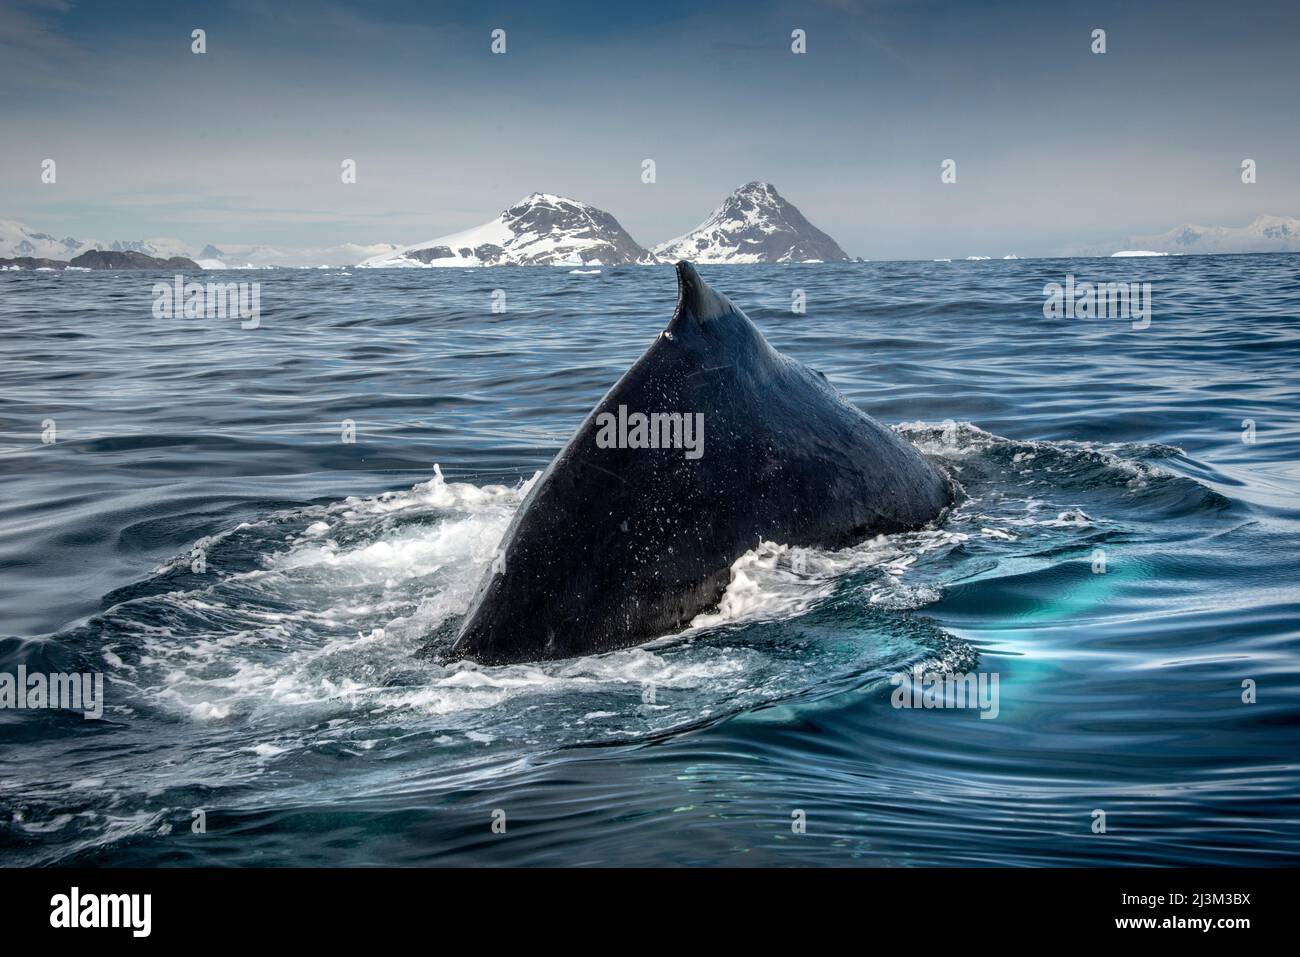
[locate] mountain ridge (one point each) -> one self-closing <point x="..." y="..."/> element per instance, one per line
<point x="755" y="224"/>
<point x="739" y="242"/>
<point x="542" y="229"/>
<point x="1266" y="233"/>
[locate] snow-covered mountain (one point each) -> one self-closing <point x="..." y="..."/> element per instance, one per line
<point x="164" y="248"/>
<point x="755" y="224"/>
<point x="539" y="230"/>
<point x="1265" y="234"/>
<point x="258" y="256"/>
<point x="18" y="239"/>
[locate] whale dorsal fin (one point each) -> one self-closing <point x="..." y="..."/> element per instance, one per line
<point x="695" y="300"/>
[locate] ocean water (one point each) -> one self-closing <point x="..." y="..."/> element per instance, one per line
<point x="277" y="689"/>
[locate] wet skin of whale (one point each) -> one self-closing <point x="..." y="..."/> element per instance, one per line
<point x="618" y="543"/>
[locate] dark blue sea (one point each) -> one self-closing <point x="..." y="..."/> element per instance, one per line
<point x="1125" y="558"/>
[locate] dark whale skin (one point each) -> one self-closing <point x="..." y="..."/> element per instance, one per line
<point x="615" y="546"/>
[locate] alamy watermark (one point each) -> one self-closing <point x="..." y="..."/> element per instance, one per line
<point x="1101" y="300"/>
<point x="656" y="430"/>
<point x="75" y="909"/>
<point x="919" y="688"/>
<point x="213" y="300"/>
<point x="58" y="690"/>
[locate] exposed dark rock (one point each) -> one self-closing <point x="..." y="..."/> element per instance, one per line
<point x="114" y="259"/>
<point x="29" y="262"/>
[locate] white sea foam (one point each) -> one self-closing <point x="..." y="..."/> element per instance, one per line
<point x="326" y="625"/>
<point x="780" y="581"/>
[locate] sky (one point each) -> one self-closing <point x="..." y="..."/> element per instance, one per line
<point x="1054" y="145"/>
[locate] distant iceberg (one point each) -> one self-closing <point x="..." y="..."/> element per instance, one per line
<point x="1136" y="252"/>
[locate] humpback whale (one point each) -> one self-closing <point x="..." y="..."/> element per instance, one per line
<point x="709" y="444"/>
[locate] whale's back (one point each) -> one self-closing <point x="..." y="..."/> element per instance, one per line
<point x="618" y="543"/>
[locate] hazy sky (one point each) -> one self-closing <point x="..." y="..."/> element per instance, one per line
<point x="1054" y="145"/>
